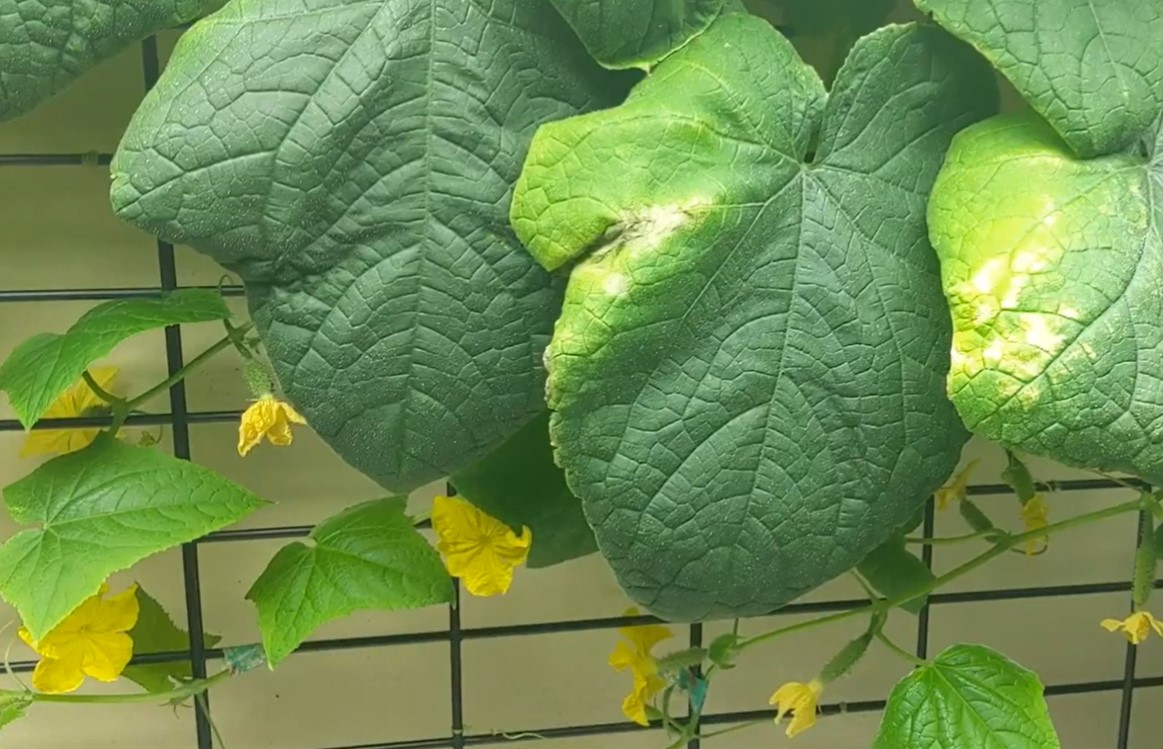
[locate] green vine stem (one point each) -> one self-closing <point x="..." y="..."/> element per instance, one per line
<point x="947" y="540"/>
<point x="101" y="392"/>
<point x="1002" y="546"/>
<point x="733" y="729"/>
<point x="185" y="691"/>
<point x="122" y="408"/>
<point x="888" y="643"/>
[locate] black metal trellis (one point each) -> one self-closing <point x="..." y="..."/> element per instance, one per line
<point x="180" y="418"/>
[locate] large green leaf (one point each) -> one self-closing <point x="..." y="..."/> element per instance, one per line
<point x="352" y="161"/>
<point x="969" y="697"/>
<point x="520" y="485"/>
<point x="101" y="510"/>
<point x="1093" y="68"/>
<point x="155" y="632"/>
<point x="46" y="44"/>
<point x="637" y="33"/>
<point x="370" y="556"/>
<point x="1052" y="266"/>
<point x="44" y="366"/>
<point x="747" y="374"/>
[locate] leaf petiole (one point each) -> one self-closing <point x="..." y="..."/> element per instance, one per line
<point x="183" y="692"/>
<point x="1002" y="546"/>
<point x="888" y="643"/>
<point x="942" y="540"/>
<point x="185" y="371"/>
<point x="101" y="392"/>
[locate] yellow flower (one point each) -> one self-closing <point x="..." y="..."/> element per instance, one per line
<point x="1137" y="626"/>
<point x="91" y="641"/>
<point x="643" y="692"/>
<point x="1035" y="515"/>
<point x="270" y="418"/>
<point x="801" y="701"/>
<point x="954" y="491"/>
<point x="633" y="653"/>
<point x="480" y="550"/>
<point x="79" y="400"/>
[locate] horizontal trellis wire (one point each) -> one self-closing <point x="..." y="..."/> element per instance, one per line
<point x="180" y="418"/>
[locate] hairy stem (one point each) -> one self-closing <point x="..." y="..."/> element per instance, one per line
<point x="733" y="729"/>
<point x="191" y="689"/>
<point x="185" y="371"/>
<point x="101" y="392"/>
<point x="942" y="540"/>
<point x="888" y="643"/>
<point x="1002" y="546"/>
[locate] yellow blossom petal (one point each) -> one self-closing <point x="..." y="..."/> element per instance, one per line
<point x="91" y="641"/>
<point x="270" y="418"/>
<point x="954" y="490"/>
<point x="624" y="657"/>
<point x="1137" y="626"/>
<point x="644" y="637"/>
<point x="633" y="652"/>
<point x="60" y="675"/>
<point x="106" y="655"/>
<point x="644" y="690"/>
<point x="801" y="701"/>
<point x="1035" y="515"/>
<point x="79" y="400"/>
<point x="479" y="549"/>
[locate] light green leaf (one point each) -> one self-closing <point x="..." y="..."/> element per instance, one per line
<point x="46" y="45"/>
<point x="352" y="162"/>
<point x="44" y="366"/>
<point x="370" y="556"/>
<point x="520" y="485"/>
<point x="723" y="650"/>
<point x="637" y="33"/>
<point x="13" y="703"/>
<point x="969" y="697"/>
<point x="155" y="632"/>
<point x="892" y="570"/>
<point x="747" y="376"/>
<point x="1093" y="68"/>
<point x="1052" y="266"/>
<point x="1017" y="476"/>
<point x="101" y="510"/>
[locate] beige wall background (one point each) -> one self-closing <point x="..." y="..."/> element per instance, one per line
<point x="60" y="234"/>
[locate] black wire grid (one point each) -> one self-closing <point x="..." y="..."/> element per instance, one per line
<point x="181" y="418"/>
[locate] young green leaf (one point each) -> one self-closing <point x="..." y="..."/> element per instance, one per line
<point x="13" y="703"/>
<point x="893" y="570"/>
<point x="714" y="367"/>
<point x="1092" y="68"/>
<point x="969" y="697"/>
<point x="101" y="510"/>
<point x="637" y="33"/>
<point x="356" y="173"/>
<point x="46" y="45"/>
<point x="723" y="650"/>
<point x="44" y="366"/>
<point x="1052" y="267"/>
<point x="370" y="556"/>
<point x="155" y="632"/>
<point x="520" y="485"/>
<point x="1018" y="477"/>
